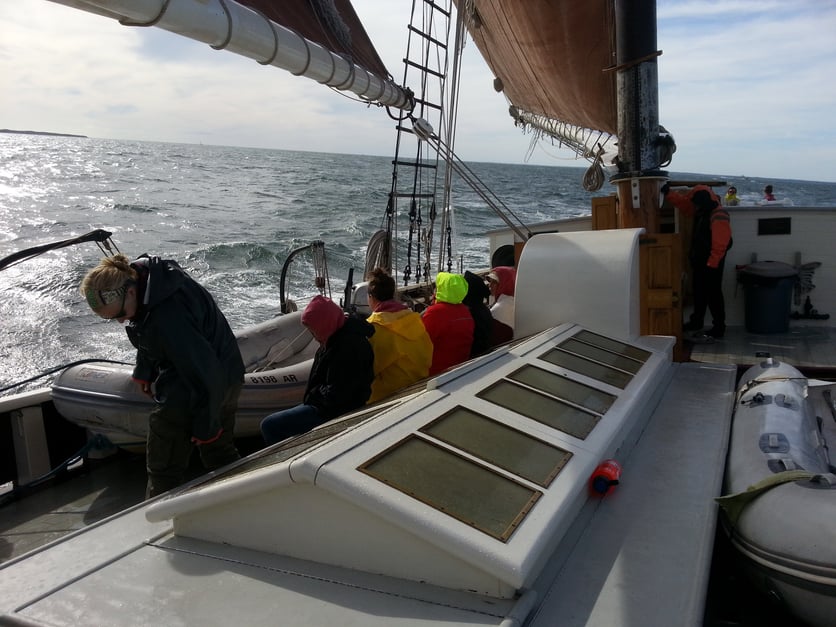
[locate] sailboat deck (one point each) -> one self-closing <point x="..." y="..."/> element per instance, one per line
<point x="648" y="535"/>
<point x="809" y="348"/>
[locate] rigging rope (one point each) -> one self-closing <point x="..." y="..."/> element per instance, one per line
<point x="99" y="236"/>
<point x="97" y="442"/>
<point x="593" y="178"/>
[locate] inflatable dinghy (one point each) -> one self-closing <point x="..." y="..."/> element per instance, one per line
<point x="780" y="508"/>
<point x="277" y="354"/>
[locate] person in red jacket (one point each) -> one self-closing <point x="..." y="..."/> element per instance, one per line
<point x="710" y="240"/>
<point x="449" y="323"/>
<point x="502" y="282"/>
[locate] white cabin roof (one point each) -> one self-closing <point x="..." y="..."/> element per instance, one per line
<point x="521" y="429"/>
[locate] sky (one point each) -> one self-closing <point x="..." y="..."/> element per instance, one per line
<point x="746" y="87"/>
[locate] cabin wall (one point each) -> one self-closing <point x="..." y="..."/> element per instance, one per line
<point x="506" y="237"/>
<point x="811" y="235"/>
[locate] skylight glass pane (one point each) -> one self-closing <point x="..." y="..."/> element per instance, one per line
<point x="613" y="345"/>
<point x="588" y="368"/>
<point x="560" y="386"/>
<point x="500" y="445"/>
<point x="450" y="483"/>
<point x="601" y="355"/>
<point x="542" y="408"/>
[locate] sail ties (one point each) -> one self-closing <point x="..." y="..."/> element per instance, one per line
<point x="587" y="143"/>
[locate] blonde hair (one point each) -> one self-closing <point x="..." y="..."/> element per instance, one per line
<point x="111" y="274"/>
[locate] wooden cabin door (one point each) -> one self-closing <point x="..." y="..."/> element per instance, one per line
<point x="660" y="299"/>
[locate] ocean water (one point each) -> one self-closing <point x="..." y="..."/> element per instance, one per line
<point x="230" y="216"/>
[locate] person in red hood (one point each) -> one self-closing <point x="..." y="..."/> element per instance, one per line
<point x="341" y="374"/>
<point x="502" y="281"/>
<point x="711" y="238"/>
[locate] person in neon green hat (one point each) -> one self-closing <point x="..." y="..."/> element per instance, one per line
<point x="449" y="322"/>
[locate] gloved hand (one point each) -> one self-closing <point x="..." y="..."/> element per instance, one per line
<point x="145" y="388"/>
<point x="210" y="440"/>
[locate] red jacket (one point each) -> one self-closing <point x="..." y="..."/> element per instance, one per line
<point x="450" y="328"/>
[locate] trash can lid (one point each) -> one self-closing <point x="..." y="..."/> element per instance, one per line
<point x="770" y="269"/>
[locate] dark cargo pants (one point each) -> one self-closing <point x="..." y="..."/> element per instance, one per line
<point x="169" y="446"/>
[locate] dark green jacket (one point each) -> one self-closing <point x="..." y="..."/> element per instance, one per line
<point x="184" y="344"/>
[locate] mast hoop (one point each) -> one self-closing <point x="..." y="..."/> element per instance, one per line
<point x="226" y="41"/>
<point x="163" y="8"/>
<point x="627" y="65"/>
<point x="348" y="82"/>
<point x="307" y="53"/>
<point x="272" y="57"/>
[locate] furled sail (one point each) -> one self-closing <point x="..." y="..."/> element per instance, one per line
<point x="551" y="59"/>
<point x="320" y="39"/>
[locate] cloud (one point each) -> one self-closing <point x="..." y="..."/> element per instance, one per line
<point x="744" y="86"/>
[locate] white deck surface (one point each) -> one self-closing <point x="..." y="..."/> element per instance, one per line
<point x="644" y="558"/>
<point x="641" y="557"/>
<point x="805" y="347"/>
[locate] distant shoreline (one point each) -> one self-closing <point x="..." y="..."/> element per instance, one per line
<point x="8" y="130"/>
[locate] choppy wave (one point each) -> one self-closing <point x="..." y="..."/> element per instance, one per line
<point x="230" y="216"/>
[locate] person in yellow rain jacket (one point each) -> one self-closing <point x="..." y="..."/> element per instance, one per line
<point x="402" y="348"/>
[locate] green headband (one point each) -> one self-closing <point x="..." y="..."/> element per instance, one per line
<point x="102" y="298"/>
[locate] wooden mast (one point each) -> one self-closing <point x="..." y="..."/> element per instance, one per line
<point x="642" y="149"/>
<point x="639" y="178"/>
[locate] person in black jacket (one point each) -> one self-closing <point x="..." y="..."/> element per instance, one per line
<point x="711" y="239"/>
<point x="187" y="361"/>
<point x="476" y="300"/>
<point x="341" y="374"/>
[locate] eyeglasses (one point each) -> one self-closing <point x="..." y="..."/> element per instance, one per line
<point x="122" y="313"/>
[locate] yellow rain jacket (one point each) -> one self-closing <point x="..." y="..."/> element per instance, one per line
<point x="402" y="349"/>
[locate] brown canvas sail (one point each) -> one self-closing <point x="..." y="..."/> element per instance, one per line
<point x="551" y="56"/>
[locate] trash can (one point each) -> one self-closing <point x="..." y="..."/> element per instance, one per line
<point x="767" y="289"/>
